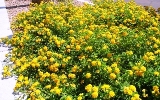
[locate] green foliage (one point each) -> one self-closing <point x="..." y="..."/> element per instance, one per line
<point x="110" y="50"/>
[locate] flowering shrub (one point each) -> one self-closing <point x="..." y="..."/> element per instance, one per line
<point x="152" y="11"/>
<point x="107" y="51"/>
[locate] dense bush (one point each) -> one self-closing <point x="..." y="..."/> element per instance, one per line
<point x="110" y="50"/>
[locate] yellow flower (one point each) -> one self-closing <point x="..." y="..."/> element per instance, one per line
<point x="68" y="50"/>
<point x="154" y="28"/>
<point x="81" y="22"/>
<point x="135" y="68"/>
<point x="156" y="73"/>
<point x="35" y="84"/>
<point x="18" y="63"/>
<point x="146" y="58"/>
<point x="13" y="59"/>
<point x="37" y="64"/>
<point x="78" y="47"/>
<point x="148" y="43"/>
<point x="68" y="98"/>
<point x="71" y="31"/>
<point x="155" y="46"/>
<point x="45" y="48"/>
<point x="58" y="43"/>
<point x="88" y="88"/>
<point x="129" y="52"/>
<point x="26" y="82"/>
<point x="20" y="78"/>
<point x="105" y="59"/>
<point x="133" y="98"/>
<point x="94" y="63"/>
<point x="89" y="48"/>
<point x="90" y="32"/>
<point x="105" y="87"/>
<point x="44" y="58"/>
<point x="47" y="74"/>
<point x="108" y="35"/>
<point x="139" y="73"/>
<point x="157" y="51"/>
<point x="71" y="75"/>
<point x="57" y="91"/>
<point x="79" y="98"/>
<point x="74" y="68"/>
<point x="124" y="34"/>
<point x="48" y="86"/>
<point x="114" y="65"/>
<point x="130" y="72"/>
<point x="116" y="70"/>
<point x="73" y="85"/>
<point x="133" y="88"/>
<point x="113" y="41"/>
<point x="109" y="69"/>
<point x="112" y="76"/>
<point x="94" y="95"/>
<point x="88" y="75"/>
<point x="33" y="65"/>
<point x="68" y="46"/>
<point x="32" y="94"/>
<point x="60" y="56"/>
<point x="143" y="69"/>
<point x="99" y="63"/>
<point x="136" y="96"/>
<point x="130" y="92"/>
<point x="18" y="85"/>
<point x="155" y="88"/>
<point x="56" y="64"/>
<point x="126" y="89"/>
<point x="37" y="92"/>
<point x="51" y="59"/>
<point x="111" y="94"/>
<point x="95" y="89"/>
<point x="104" y="47"/>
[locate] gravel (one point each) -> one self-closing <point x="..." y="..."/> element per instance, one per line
<point x="16" y="6"/>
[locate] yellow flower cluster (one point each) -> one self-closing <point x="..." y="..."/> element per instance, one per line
<point x="156" y="90"/>
<point x="94" y="90"/>
<point x="6" y="71"/>
<point x="113" y="70"/>
<point x="139" y="69"/>
<point x="67" y="52"/>
<point x="129" y="90"/>
<point x="149" y="56"/>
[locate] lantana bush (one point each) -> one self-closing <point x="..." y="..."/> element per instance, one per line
<point x="106" y="51"/>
